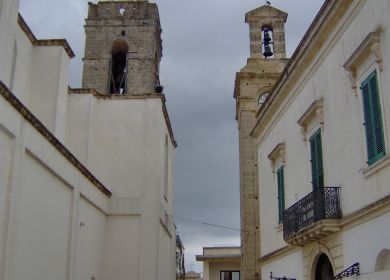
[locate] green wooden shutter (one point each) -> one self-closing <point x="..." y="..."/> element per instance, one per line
<point x="373" y="119"/>
<point x="281" y="200"/>
<point x="317" y="169"/>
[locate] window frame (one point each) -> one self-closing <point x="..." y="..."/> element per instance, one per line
<point x="365" y="81"/>
<point x="313" y="137"/>
<point x="280" y="181"/>
<point x="231" y="271"/>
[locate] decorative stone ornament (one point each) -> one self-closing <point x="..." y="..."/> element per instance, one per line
<point x="370" y="45"/>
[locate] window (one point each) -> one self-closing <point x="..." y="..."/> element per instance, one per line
<point x="281" y="203"/>
<point x="230" y="275"/>
<point x="373" y="119"/>
<point x="317" y="171"/>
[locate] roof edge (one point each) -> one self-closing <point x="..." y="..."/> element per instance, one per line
<point x="45" y="42"/>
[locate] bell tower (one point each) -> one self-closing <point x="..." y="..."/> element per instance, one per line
<point x="253" y="84"/>
<point x="123" y="47"/>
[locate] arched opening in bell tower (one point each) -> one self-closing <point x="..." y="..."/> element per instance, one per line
<point x="118" y="67"/>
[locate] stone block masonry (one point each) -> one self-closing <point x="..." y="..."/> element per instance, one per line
<point x="137" y="24"/>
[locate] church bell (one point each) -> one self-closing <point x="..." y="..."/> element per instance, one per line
<point x="267" y="42"/>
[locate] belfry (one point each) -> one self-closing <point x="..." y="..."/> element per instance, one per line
<point x="123" y="47"/>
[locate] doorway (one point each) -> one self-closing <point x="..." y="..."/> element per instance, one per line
<point x="324" y="269"/>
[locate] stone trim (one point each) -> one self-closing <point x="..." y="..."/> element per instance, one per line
<point x="376" y="167"/>
<point x="219" y="258"/>
<point x="48" y="42"/>
<point x="315" y="110"/>
<point x="28" y="116"/>
<point x="288" y="249"/>
<point x="278" y="152"/>
<point x="371" y="44"/>
<point x="373" y="210"/>
<point x="131" y="96"/>
<point x="222" y="247"/>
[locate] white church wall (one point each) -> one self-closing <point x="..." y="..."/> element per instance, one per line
<point x="90" y="245"/>
<point x="122" y="248"/>
<point x="41" y="237"/>
<point x="119" y="140"/>
<point x="8" y="16"/>
<point x="49" y="87"/>
<point x="21" y="86"/>
<point x="40" y="213"/>
<point x="6" y="147"/>
<point x="79" y="125"/>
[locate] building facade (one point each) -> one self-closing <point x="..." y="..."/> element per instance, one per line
<point x="86" y="176"/>
<point x="321" y="143"/>
<point x="221" y="263"/>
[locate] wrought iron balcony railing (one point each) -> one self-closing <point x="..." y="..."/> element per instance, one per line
<point x="321" y="204"/>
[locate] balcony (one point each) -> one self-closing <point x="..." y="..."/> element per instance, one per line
<point x="315" y="216"/>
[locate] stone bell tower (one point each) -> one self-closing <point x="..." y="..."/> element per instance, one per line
<point x="253" y="84"/>
<point x="123" y="47"/>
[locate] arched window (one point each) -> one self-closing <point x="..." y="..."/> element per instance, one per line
<point x="118" y="67"/>
<point x="383" y="260"/>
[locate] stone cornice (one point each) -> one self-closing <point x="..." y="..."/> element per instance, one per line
<point x="371" y="44"/>
<point x="131" y="96"/>
<point x="219" y="258"/>
<point x="314" y="112"/>
<point x="277" y="153"/>
<point x="288" y="249"/>
<point x="49" y="42"/>
<point x="28" y="116"/>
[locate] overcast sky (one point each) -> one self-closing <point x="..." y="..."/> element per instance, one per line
<point x="205" y="43"/>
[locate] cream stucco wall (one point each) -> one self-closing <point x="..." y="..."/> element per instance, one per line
<point x="343" y="133"/>
<point x="321" y="75"/>
<point x="289" y="266"/>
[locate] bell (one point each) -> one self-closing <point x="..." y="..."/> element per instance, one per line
<point x="267" y="38"/>
<point x="267" y="51"/>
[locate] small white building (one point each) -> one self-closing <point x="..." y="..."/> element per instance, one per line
<point x="221" y="263"/>
<point x="321" y="139"/>
<point x="86" y="176"/>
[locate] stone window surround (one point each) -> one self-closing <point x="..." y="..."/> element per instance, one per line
<point x="314" y="113"/>
<point x="278" y="154"/>
<point x="370" y="45"/>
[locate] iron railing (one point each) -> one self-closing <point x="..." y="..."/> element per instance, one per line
<point x="350" y="271"/>
<point x="321" y="204"/>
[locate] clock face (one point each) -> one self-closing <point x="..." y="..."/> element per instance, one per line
<point x="262" y="98"/>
